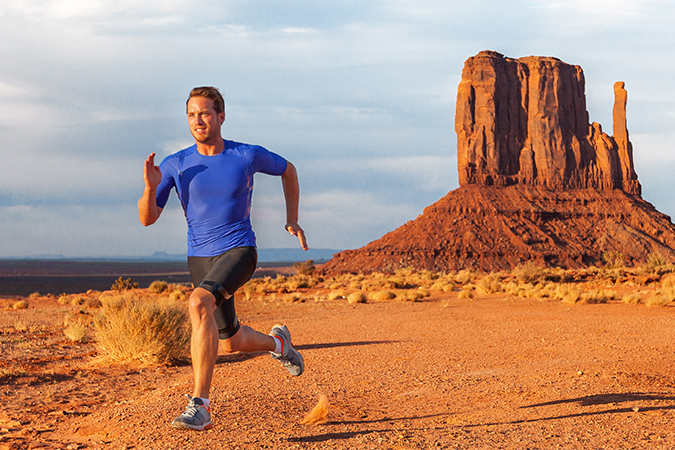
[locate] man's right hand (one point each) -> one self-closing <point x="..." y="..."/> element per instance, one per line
<point x="152" y="174"/>
<point x="148" y="211"/>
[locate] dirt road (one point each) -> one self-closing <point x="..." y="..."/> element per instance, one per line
<point x="490" y="372"/>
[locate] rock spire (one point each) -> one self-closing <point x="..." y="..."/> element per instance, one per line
<point x="524" y="121"/>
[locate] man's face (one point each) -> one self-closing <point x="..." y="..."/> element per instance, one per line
<point x="204" y="121"/>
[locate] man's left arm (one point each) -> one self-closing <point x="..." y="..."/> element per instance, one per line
<point x="289" y="181"/>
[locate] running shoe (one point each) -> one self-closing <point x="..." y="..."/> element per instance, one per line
<point x="289" y="357"/>
<point x="196" y="416"/>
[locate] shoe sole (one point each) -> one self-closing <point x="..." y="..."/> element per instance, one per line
<point x="182" y="426"/>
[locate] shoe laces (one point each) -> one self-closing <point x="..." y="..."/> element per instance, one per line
<point x="192" y="407"/>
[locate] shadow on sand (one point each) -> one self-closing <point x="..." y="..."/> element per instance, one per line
<point x="594" y="400"/>
<point x="244" y="356"/>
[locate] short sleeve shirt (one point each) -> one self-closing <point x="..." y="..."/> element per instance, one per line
<point x="215" y="192"/>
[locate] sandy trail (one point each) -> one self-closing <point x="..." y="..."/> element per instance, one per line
<point x="490" y="372"/>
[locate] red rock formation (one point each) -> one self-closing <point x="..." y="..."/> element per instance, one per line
<point x="524" y="121"/>
<point x="537" y="181"/>
<point x="490" y="228"/>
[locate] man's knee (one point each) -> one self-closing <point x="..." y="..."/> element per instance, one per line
<point x="201" y="302"/>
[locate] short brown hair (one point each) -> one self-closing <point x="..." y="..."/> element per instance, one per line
<point x="212" y="93"/>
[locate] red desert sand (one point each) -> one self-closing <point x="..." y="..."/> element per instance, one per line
<point x="492" y="371"/>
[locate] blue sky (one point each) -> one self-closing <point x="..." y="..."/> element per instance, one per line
<point x="359" y="95"/>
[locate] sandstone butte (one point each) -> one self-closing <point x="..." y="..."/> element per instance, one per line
<point x="537" y="181"/>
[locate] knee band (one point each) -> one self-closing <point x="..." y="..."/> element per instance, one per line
<point x="216" y="289"/>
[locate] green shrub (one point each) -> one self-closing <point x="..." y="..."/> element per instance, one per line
<point x="305" y="268"/>
<point x="124" y="284"/>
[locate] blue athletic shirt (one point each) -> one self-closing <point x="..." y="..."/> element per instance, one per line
<point x="215" y="192"/>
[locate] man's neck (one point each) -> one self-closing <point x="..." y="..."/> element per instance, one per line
<point x="211" y="148"/>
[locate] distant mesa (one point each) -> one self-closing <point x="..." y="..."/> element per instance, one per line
<point x="537" y="181"/>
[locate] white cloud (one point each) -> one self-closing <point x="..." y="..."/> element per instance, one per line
<point x="359" y="95"/>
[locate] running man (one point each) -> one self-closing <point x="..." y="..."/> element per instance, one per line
<point x="214" y="181"/>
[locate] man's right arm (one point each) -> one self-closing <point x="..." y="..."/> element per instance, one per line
<point x="148" y="211"/>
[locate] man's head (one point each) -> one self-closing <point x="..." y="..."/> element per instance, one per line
<point x="205" y="115"/>
<point x="211" y="93"/>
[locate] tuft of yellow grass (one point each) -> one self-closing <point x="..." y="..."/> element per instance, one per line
<point x="356" y="297"/>
<point x="489" y="284"/>
<point x="381" y="296"/>
<point x="76" y="332"/>
<point x="465" y="293"/>
<point x="21" y="304"/>
<point x="131" y="329"/>
<point x="631" y="298"/>
<point x="157" y="287"/>
<point x="657" y="298"/>
<point x="318" y="414"/>
<point x="337" y="294"/>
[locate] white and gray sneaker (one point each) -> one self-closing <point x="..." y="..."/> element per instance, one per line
<point x="289" y="357"/>
<point x="196" y="416"/>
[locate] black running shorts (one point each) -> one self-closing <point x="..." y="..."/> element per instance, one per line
<point x="222" y="275"/>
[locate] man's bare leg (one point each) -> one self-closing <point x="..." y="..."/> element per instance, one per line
<point x="248" y="340"/>
<point x="204" y="342"/>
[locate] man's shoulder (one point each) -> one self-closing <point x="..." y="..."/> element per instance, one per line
<point x="242" y="147"/>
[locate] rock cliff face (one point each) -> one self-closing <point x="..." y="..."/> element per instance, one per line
<point x="524" y="121"/>
<point x="537" y="181"/>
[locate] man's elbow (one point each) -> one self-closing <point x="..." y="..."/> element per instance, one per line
<point x="146" y="222"/>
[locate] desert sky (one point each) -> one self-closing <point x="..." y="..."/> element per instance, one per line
<point x="359" y="95"/>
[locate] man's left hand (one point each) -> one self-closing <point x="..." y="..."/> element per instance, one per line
<point x="295" y="230"/>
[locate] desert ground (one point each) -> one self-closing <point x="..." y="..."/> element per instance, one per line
<point x="447" y="370"/>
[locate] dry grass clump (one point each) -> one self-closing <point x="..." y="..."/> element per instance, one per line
<point x="489" y="284"/>
<point x="76" y="300"/>
<point x="92" y="303"/>
<point x="337" y="294"/>
<point x="597" y="296"/>
<point x="613" y="259"/>
<point x="464" y="276"/>
<point x="443" y="284"/>
<point x="657" y="298"/>
<point x="21" y="304"/>
<point x="568" y="293"/>
<point x="293" y="297"/>
<point x="131" y="329"/>
<point x="465" y="293"/>
<point x="528" y="272"/>
<point x="356" y="297"/>
<point x="77" y="330"/>
<point x="656" y="264"/>
<point x="381" y="296"/>
<point x="631" y="298"/>
<point x="157" y="287"/>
